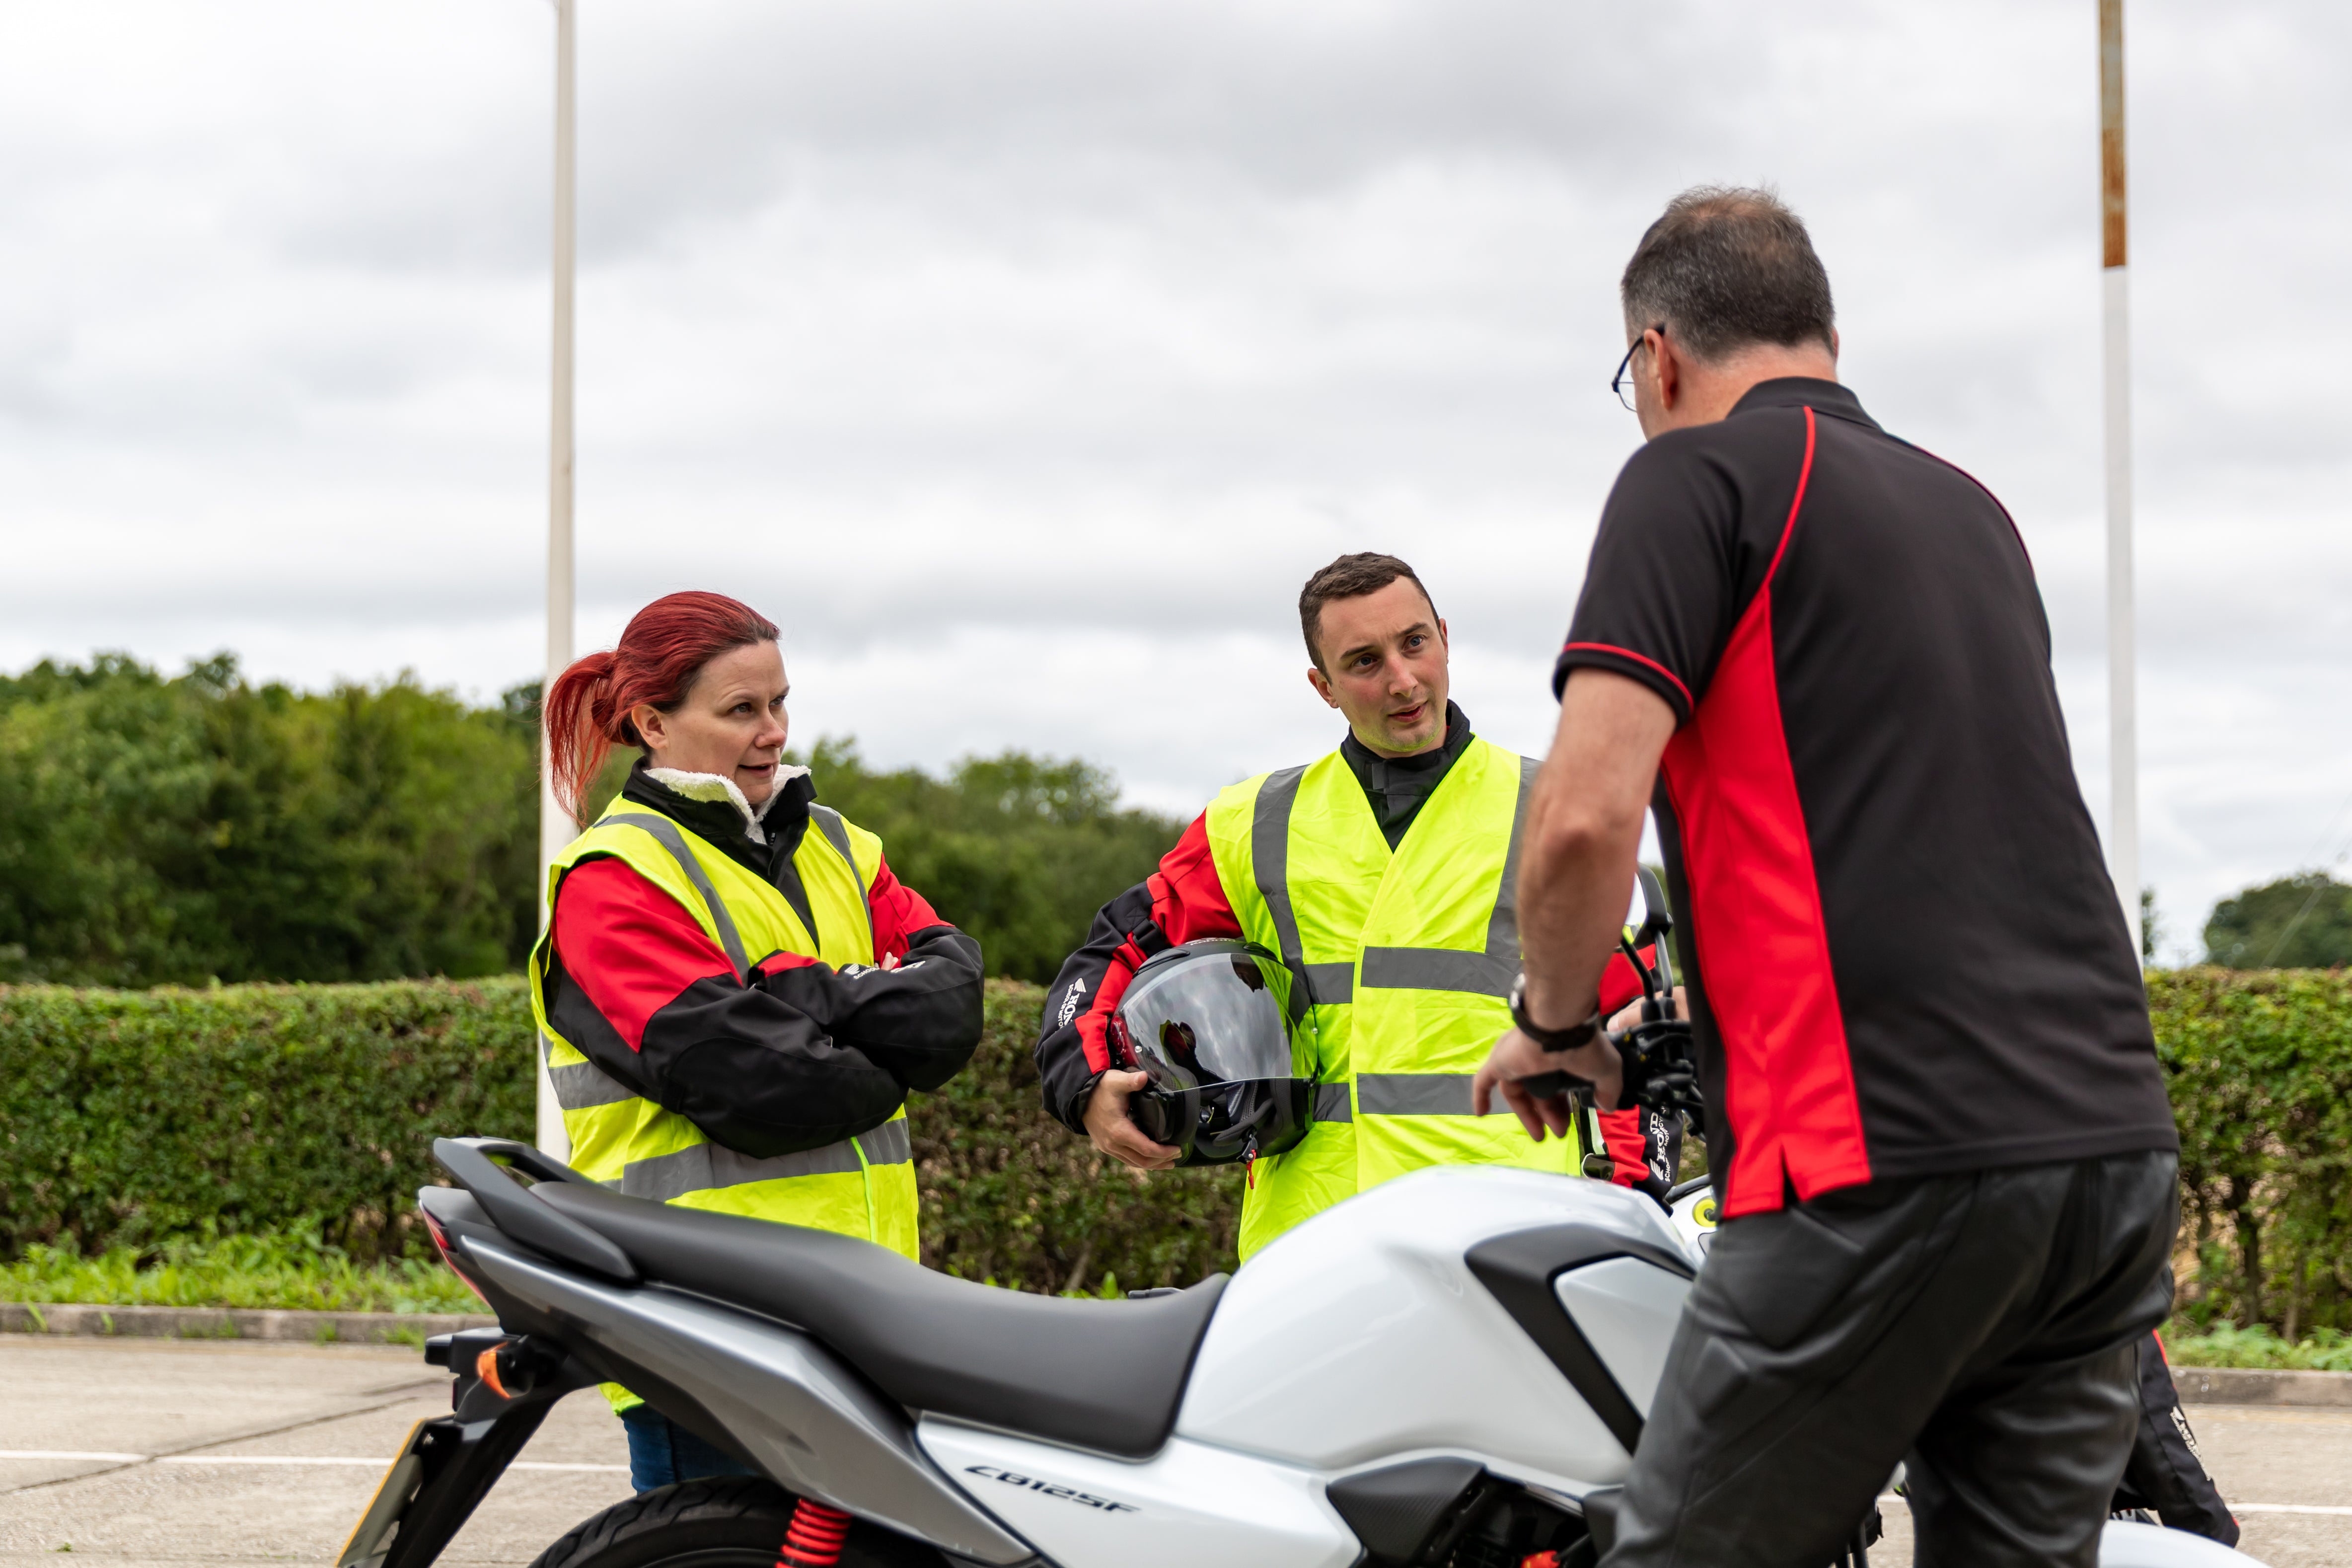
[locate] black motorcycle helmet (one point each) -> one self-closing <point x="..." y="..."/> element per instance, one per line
<point x="1232" y="1076"/>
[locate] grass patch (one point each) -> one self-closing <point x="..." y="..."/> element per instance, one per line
<point x="2224" y="1344"/>
<point x="283" y="1270"/>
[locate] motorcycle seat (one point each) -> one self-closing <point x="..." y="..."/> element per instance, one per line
<point x="1106" y="1376"/>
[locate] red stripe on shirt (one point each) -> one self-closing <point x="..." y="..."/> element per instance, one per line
<point x="1763" y="945"/>
<point x="1639" y="658"/>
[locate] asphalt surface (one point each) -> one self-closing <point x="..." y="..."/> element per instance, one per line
<point x="151" y="1452"/>
<point x="207" y="1411"/>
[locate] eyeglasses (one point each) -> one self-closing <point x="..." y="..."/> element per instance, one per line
<point x="1622" y="384"/>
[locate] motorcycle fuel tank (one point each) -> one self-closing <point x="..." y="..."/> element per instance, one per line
<point x="1364" y="1335"/>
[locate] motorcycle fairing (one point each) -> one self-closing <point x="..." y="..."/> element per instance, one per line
<point x="1618" y="1304"/>
<point x="1519" y="1269"/>
<point x="1186" y="1505"/>
<point x="1364" y="1337"/>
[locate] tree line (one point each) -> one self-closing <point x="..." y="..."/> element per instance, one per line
<point x="203" y="827"/>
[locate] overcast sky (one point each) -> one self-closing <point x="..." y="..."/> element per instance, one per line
<point x="1022" y="359"/>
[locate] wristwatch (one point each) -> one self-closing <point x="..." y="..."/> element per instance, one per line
<point x="1549" y="1040"/>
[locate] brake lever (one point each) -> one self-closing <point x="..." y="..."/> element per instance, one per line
<point x="1660" y="1072"/>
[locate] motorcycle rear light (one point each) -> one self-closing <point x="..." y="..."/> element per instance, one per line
<point x="441" y="1244"/>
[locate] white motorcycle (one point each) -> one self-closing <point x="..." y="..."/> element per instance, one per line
<point x="1449" y="1370"/>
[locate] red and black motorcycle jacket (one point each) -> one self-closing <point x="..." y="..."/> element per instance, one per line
<point x="1185" y="901"/>
<point x="800" y="1055"/>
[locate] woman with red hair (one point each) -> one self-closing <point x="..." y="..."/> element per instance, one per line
<point x="735" y="991"/>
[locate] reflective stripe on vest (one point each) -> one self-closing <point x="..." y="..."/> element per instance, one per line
<point x="1408" y="956"/>
<point x="1487" y="973"/>
<point x="707" y="1165"/>
<point x="863" y="1185"/>
<point x="830" y="823"/>
<point x="666" y="834"/>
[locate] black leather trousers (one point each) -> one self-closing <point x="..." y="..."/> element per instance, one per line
<point x="1983" y="1329"/>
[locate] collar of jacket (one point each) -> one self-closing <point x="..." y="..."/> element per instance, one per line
<point x="711" y="806"/>
<point x="1396" y="787"/>
<point x="1803" y="392"/>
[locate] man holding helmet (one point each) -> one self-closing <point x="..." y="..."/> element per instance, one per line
<point x="1379" y="888"/>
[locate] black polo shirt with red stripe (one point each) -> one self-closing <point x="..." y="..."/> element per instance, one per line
<point x="1907" y="956"/>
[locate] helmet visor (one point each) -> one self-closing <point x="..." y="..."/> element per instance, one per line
<point x="1211" y="1013"/>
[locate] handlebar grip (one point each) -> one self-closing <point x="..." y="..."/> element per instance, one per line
<point x="1552" y="1085"/>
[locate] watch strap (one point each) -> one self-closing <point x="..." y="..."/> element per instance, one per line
<point x="1551" y="1041"/>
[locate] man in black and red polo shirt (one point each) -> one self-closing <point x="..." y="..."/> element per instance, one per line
<point x="1938" y="1129"/>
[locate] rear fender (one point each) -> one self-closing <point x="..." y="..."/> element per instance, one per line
<point x="504" y="1387"/>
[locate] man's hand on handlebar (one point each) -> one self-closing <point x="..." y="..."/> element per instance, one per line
<point x="1631" y="1014"/>
<point x="1516" y="1058"/>
<point x="1115" y="1133"/>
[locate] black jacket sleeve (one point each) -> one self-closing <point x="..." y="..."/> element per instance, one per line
<point x="800" y="1056"/>
<point x="835" y="1050"/>
<point x="920" y="1021"/>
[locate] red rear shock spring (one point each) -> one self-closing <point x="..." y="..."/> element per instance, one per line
<point x="816" y="1537"/>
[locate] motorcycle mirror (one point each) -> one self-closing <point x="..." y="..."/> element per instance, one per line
<point x="1647" y="917"/>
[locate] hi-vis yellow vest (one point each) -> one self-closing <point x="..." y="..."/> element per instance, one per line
<point x="862" y="1186"/>
<point x="1409" y="957"/>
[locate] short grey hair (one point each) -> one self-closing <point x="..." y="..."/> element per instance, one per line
<point x="1726" y="268"/>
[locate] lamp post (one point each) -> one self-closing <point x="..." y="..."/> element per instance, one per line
<point x="555" y="826"/>
<point x="2123" y="694"/>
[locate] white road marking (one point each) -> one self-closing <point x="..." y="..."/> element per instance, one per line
<point x="1884" y="1498"/>
<point x="70" y="1454"/>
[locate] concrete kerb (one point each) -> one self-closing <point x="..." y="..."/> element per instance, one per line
<point x="2261" y="1385"/>
<point x="235" y="1323"/>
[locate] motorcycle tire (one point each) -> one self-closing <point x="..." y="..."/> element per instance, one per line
<point x="736" y="1521"/>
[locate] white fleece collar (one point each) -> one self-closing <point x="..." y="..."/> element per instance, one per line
<point x="718" y="786"/>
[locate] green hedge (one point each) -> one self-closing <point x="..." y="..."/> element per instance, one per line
<point x="2260" y="1067"/>
<point x="127" y="1117"/>
<point x="130" y="1118"/>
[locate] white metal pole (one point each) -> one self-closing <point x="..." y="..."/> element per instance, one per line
<point x="555" y="826"/>
<point x="2123" y="695"/>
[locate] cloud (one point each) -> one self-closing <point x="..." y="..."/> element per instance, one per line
<point x="1023" y="359"/>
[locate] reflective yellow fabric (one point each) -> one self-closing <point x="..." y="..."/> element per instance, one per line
<point x="1410" y="956"/>
<point x="862" y="1186"/>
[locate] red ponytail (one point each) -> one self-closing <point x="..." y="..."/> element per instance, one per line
<point x="663" y="649"/>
